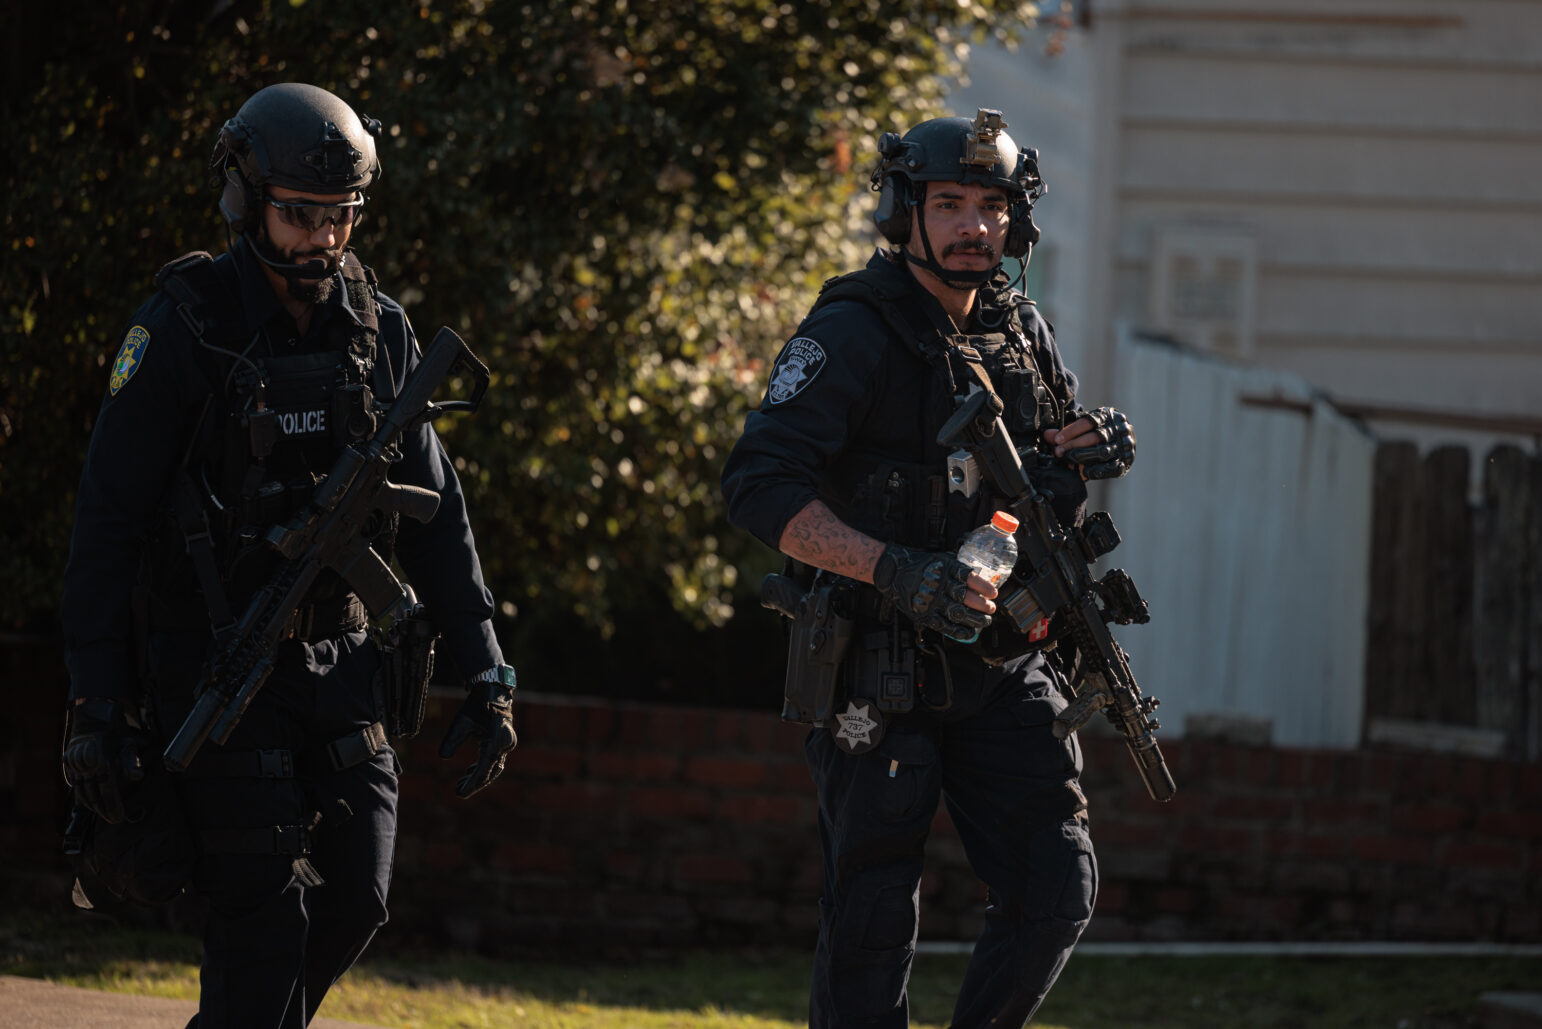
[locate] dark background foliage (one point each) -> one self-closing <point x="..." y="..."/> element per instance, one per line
<point x="623" y="207"/>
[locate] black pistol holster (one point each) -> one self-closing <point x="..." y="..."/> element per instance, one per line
<point x="821" y="632"/>
<point x="406" y="667"/>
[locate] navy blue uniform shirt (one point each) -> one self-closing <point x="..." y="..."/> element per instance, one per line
<point x="143" y="432"/>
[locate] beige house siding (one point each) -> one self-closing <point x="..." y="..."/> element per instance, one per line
<point x="1373" y="169"/>
<point x="1384" y="162"/>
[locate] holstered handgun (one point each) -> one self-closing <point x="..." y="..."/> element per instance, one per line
<point x="820" y="634"/>
<point x="406" y="666"/>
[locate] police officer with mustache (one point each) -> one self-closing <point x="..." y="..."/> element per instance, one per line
<point x="840" y="470"/>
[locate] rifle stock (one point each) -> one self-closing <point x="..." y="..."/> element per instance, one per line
<point x="326" y="536"/>
<point x="1054" y="571"/>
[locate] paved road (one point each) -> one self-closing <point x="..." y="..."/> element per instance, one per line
<point x="34" y="1004"/>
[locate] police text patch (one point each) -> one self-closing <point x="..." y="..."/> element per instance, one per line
<point x="130" y="355"/>
<point x="302" y="423"/>
<point x="796" y="366"/>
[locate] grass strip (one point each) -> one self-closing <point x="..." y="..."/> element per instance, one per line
<point x="768" y="989"/>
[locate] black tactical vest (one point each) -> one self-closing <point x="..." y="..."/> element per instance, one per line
<point x="909" y="501"/>
<point x="273" y="423"/>
<point x="912" y="502"/>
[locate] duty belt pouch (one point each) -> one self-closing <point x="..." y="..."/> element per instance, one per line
<point x="406" y="666"/>
<point x="884" y="669"/>
<point x="818" y="641"/>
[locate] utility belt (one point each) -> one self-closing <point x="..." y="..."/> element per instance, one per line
<point x="345" y="752"/>
<point x="852" y="663"/>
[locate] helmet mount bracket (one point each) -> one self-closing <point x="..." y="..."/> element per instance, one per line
<point x="980" y="150"/>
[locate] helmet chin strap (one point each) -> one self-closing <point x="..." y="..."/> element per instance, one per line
<point x="960" y="280"/>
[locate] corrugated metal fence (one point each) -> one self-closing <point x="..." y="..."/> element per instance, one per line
<point x="1305" y="578"/>
<point x="1246" y="524"/>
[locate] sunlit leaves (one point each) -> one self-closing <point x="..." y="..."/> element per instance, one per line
<point x="623" y="207"/>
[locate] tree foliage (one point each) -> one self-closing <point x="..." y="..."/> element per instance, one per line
<point x="622" y="206"/>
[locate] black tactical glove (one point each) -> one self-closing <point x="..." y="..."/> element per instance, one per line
<point x="929" y="589"/>
<point x="102" y="759"/>
<point x="488" y="715"/>
<point x="1113" y="457"/>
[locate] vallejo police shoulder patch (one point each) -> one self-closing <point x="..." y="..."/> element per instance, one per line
<point x="797" y="364"/>
<point x="130" y="355"/>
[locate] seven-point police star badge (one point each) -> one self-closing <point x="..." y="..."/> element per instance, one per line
<point x="861" y="727"/>
<point x="796" y="366"/>
<point x="128" y="360"/>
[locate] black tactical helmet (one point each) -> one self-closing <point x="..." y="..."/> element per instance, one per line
<point x="956" y="150"/>
<point x="296" y="136"/>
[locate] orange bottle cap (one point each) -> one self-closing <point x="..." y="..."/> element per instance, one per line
<point x="1004" y="521"/>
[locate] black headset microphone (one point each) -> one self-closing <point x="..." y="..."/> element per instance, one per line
<point x="236" y="204"/>
<point x="315" y="268"/>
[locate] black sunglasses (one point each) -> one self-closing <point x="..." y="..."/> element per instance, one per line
<point x="311" y="216"/>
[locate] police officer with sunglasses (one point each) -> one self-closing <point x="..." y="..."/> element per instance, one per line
<point x="235" y="388"/>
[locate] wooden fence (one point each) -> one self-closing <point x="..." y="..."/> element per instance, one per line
<point x="1455" y="619"/>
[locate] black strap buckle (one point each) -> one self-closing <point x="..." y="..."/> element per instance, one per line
<point x="357" y="747"/>
<point x="275" y="764"/>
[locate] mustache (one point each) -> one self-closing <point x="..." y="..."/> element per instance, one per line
<point x="331" y="258"/>
<point x="969" y="247"/>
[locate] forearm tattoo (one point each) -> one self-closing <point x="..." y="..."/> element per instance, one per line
<point x="817" y="537"/>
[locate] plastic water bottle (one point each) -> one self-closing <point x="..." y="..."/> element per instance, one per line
<point x="991" y="550"/>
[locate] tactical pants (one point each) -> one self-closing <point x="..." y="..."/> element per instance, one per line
<point x="293" y="898"/>
<point x="1011" y="790"/>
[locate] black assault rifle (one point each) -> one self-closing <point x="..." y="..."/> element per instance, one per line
<point x="328" y="534"/>
<point x="1053" y="577"/>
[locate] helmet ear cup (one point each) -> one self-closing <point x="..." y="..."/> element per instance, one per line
<point x="234" y="199"/>
<point x="893" y="214"/>
<point x="1022" y="233"/>
<point x="238" y="198"/>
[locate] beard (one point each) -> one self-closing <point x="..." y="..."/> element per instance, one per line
<point x="311" y="291"/>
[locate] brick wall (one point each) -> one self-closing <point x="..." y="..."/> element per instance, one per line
<point x="654" y="825"/>
<point x="1273" y="843"/>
